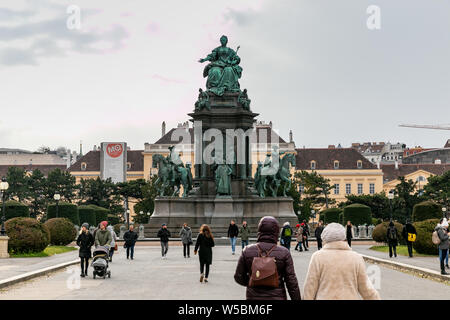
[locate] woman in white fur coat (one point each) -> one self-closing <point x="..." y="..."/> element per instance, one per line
<point x="337" y="272"/>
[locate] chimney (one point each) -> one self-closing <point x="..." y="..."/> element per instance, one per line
<point x="163" y="129"/>
<point x="81" y="148"/>
<point x="396" y="164"/>
<point x="291" y="139"/>
<point x="270" y="124"/>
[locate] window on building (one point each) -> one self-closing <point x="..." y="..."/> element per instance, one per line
<point x="336" y="164"/>
<point x="83" y="166"/>
<point x="336" y="188"/>
<point x="128" y="165"/>
<point x="360" y="188"/>
<point x="359" y="164"/>
<point x="372" y="188"/>
<point x="348" y="188"/>
<point x="313" y="165"/>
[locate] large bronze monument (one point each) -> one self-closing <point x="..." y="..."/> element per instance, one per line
<point x="222" y="187"/>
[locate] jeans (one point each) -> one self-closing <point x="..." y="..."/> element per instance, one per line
<point x="299" y="245"/>
<point x="443" y="256"/>
<point x="287" y="243"/>
<point x="84" y="264"/>
<point x="233" y="244"/>
<point x="130" y="249"/>
<point x="410" y="249"/>
<point x="164" y="248"/>
<point x="202" y="267"/>
<point x="440" y="257"/>
<point x="394" y="248"/>
<point x="319" y="244"/>
<point x="111" y="253"/>
<point x="186" y="249"/>
<point x="244" y="243"/>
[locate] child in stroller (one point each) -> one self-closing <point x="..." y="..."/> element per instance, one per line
<point x="100" y="262"/>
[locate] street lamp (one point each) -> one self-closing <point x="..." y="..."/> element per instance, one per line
<point x="3" y="187"/>
<point x="128" y="219"/>
<point x="391" y="197"/>
<point x="57" y="197"/>
<point x="444" y="212"/>
<point x="313" y="215"/>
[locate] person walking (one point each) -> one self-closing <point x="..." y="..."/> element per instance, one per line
<point x="349" y="233"/>
<point x="103" y="237"/>
<point x="233" y="232"/>
<point x="443" y="234"/>
<point x="286" y="235"/>
<point x="318" y="234"/>
<point x="306" y="233"/>
<point x="299" y="237"/>
<point x="85" y="241"/>
<point x="113" y="242"/>
<point x="409" y="234"/>
<point x="164" y="235"/>
<point x="244" y="233"/>
<point x="392" y="238"/>
<point x="337" y="272"/>
<point x="283" y="269"/>
<point x="130" y="237"/>
<point x="186" y="239"/>
<point x="204" y="245"/>
<point x="440" y="251"/>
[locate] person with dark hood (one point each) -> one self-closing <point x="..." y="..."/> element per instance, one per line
<point x="85" y="241"/>
<point x="409" y="233"/>
<point x="204" y="245"/>
<point x="186" y="239"/>
<point x="164" y="235"/>
<point x="392" y="239"/>
<point x="318" y="234"/>
<point x="266" y="246"/>
<point x="286" y="236"/>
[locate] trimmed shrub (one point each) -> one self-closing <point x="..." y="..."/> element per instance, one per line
<point x="87" y="214"/>
<point x="62" y="231"/>
<point x="101" y="214"/>
<point x="358" y="214"/>
<point x="380" y="232"/>
<point x="341" y="218"/>
<point x="14" y="209"/>
<point x="426" y="210"/>
<point x="65" y="210"/>
<point x="26" y="235"/>
<point x="113" y="219"/>
<point x="376" y="221"/>
<point x="331" y="215"/>
<point x="423" y="243"/>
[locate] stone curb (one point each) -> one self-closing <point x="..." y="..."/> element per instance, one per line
<point x="33" y="274"/>
<point x="417" y="271"/>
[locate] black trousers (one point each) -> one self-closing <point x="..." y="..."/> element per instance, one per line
<point x="319" y="244"/>
<point x="202" y="267"/>
<point x="186" y="249"/>
<point x="410" y="248"/>
<point x="349" y="241"/>
<point x="444" y="255"/>
<point x="392" y="247"/>
<point x="84" y="264"/>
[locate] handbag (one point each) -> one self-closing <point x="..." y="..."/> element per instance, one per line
<point x="116" y="247"/>
<point x="411" y="237"/>
<point x="264" y="270"/>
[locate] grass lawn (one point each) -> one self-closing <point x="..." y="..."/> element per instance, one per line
<point x="49" y="251"/>
<point x="401" y="250"/>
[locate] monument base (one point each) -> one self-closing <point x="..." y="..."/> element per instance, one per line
<point x="217" y="213"/>
<point x="4" y="247"/>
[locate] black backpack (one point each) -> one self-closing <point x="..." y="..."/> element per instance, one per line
<point x="392" y="233"/>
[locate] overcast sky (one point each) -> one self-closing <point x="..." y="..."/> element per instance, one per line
<point x="312" y="66"/>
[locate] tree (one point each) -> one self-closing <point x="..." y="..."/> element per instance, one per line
<point x="103" y="193"/>
<point x="378" y="203"/>
<point x="150" y="191"/>
<point x="36" y="193"/>
<point x="17" y="180"/>
<point x="61" y="182"/>
<point x="316" y="188"/>
<point x="438" y="189"/>
<point x="406" y="199"/>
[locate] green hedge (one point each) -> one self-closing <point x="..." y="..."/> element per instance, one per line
<point x="341" y="218"/>
<point x="26" y="235"/>
<point x="62" y="231"/>
<point x="426" y="210"/>
<point x="113" y="219"/>
<point x="423" y="243"/>
<point x="358" y="214"/>
<point x="65" y="210"/>
<point x="331" y="215"/>
<point x="87" y="214"/>
<point x="101" y="214"/>
<point x="380" y="232"/>
<point x="14" y="209"/>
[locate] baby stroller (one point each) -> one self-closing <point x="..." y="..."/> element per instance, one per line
<point x="100" y="262"/>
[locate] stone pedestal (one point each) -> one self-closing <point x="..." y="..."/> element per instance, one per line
<point x="122" y="232"/>
<point x="141" y="232"/>
<point x="4" y="247"/>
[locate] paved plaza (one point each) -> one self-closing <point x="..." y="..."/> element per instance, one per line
<point x="150" y="277"/>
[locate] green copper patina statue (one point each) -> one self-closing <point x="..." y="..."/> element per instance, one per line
<point x="223" y="179"/>
<point x="223" y="71"/>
